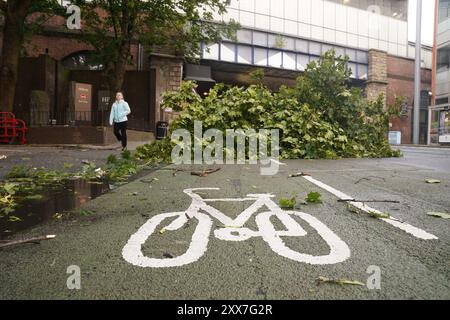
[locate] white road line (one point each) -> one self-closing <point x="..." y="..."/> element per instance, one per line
<point x="416" y="232"/>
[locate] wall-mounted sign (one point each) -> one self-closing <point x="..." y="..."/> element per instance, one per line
<point x="103" y="100"/>
<point x="82" y="101"/>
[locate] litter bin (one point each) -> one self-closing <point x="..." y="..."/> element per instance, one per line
<point x="161" y="130"/>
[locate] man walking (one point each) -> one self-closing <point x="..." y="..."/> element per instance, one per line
<point x="119" y="112"/>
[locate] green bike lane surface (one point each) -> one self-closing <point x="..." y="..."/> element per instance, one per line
<point x="410" y="268"/>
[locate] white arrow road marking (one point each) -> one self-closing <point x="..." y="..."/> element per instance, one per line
<point x="416" y="232"/>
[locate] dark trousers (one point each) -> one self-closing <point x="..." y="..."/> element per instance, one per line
<point x="120" y="131"/>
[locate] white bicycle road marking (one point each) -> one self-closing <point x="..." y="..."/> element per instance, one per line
<point x="416" y="232"/>
<point x="234" y="230"/>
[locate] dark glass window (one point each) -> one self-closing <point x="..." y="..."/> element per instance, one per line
<point x="441" y="101"/>
<point x="82" y="61"/>
<point x="443" y="59"/>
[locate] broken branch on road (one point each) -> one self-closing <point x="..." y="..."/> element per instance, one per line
<point x="35" y="240"/>
<point x="322" y="280"/>
<point x="204" y="173"/>
<point x="299" y="174"/>
<point x="369" y="178"/>
<point x="371" y="201"/>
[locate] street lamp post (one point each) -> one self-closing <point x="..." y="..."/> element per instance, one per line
<point x="417" y="79"/>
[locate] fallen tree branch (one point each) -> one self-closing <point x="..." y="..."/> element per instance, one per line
<point x="204" y="173"/>
<point x="371" y="201"/>
<point x="341" y="282"/>
<point x="368" y="179"/>
<point x="31" y="240"/>
<point x="300" y="174"/>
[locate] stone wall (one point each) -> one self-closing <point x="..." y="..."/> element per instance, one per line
<point x="169" y="74"/>
<point x="377" y="77"/>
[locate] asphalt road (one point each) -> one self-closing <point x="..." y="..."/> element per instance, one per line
<point x="411" y="268"/>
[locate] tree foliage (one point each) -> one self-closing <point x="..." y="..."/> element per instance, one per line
<point x="110" y="26"/>
<point x="21" y="18"/>
<point x="321" y="117"/>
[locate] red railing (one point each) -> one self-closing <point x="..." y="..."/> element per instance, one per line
<point x="12" y="129"/>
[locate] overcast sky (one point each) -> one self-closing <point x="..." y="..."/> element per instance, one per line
<point x="427" y="21"/>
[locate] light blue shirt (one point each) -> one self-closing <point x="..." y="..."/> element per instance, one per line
<point x="119" y="112"/>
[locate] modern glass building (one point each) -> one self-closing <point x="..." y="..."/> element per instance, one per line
<point x="442" y="73"/>
<point x="443" y="53"/>
<point x="288" y="34"/>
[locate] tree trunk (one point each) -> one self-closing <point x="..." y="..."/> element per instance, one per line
<point x="119" y="69"/>
<point x="13" y="37"/>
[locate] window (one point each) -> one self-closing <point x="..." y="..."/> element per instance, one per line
<point x="260" y="39"/>
<point x="444" y="10"/>
<point x="244" y="54"/>
<point x="261" y="57"/>
<point x="275" y="59"/>
<point x="244" y="36"/>
<point x="211" y="52"/>
<point x="289" y="61"/>
<point x="84" y="60"/>
<point x="302" y="61"/>
<point x="443" y="59"/>
<point x="315" y="48"/>
<point x="397" y="9"/>
<point x="228" y="52"/>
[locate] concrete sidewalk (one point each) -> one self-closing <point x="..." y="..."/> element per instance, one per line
<point x="132" y="145"/>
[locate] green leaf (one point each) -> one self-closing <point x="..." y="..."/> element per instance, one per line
<point x="378" y="215"/>
<point x="287" y="203"/>
<point x="314" y="197"/>
<point x="14" y="219"/>
<point x="85" y="213"/>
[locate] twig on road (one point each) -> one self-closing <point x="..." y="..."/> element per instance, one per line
<point x="204" y="173"/>
<point x="321" y="280"/>
<point x="300" y="174"/>
<point x="368" y="179"/>
<point x="370" y="201"/>
<point x="31" y="240"/>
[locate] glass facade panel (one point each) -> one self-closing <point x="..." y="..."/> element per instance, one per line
<point x="245" y="54"/>
<point x="275" y="59"/>
<point x="443" y="59"/>
<point x="260" y="57"/>
<point x="260" y="39"/>
<point x="302" y="61"/>
<point x="211" y="52"/>
<point x="302" y="45"/>
<point x="444" y="10"/>
<point x="289" y="61"/>
<point x="244" y="36"/>
<point x="315" y="48"/>
<point x="363" y="71"/>
<point x="352" y="66"/>
<point x="228" y="52"/>
<point x="397" y="9"/>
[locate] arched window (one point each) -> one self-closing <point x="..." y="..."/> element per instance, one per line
<point x="83" y="60"/>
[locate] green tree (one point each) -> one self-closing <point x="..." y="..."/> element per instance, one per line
<point x="21" y="18"/>
<point x="111" y="26"/>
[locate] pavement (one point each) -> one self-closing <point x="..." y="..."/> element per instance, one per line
<point x="413" y="264"/>
<point x="55" y="156"/>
